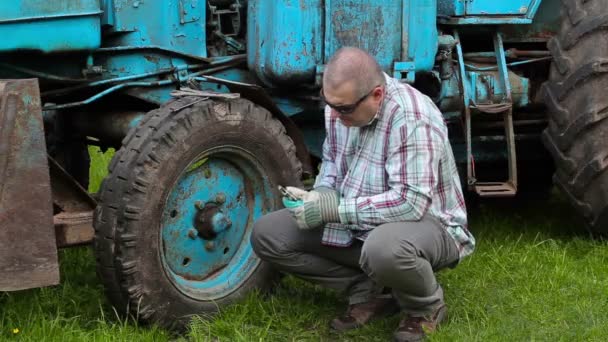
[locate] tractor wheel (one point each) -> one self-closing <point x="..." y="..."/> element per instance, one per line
<point x="577" y="135"/>
<point x="177" y="208"/>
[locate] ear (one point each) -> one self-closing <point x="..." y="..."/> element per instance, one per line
<point x="378" y="93"/>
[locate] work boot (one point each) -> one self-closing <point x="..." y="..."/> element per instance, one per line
<point x="413" y="329"/>
<point x="360" y="314"/>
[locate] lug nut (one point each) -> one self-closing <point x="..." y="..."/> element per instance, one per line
<point x="198" y="205"/>
<point x="192" y="233"/>
<point x="209" y="246"/>
<point x="220" y="198"/>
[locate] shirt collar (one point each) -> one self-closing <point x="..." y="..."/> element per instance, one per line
<point x="378" y="114"/>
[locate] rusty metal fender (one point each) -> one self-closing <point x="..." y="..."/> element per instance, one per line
<point x="28" y="251"/>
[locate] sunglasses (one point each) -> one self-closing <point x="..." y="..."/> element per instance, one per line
<point x="346" y="109"/>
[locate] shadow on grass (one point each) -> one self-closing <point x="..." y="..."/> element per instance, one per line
<point x="552" y="217"/>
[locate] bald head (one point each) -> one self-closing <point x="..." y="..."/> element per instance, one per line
<point x="350" y="64"/>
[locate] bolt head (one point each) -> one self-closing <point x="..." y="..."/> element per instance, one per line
<point x="209" y="245"/>
<point x="220" y="198"/>
<point x="192" y="233"/>
<point x="198" y="205"/>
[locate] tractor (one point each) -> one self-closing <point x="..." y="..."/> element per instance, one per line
<point x="211" y="105"/>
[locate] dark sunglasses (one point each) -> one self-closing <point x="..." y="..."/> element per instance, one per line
<point x="346" y="109"/>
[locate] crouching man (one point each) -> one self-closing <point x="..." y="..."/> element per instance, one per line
<point x="387" y="209"/>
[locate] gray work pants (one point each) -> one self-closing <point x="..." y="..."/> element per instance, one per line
<point x="401" y="256"/>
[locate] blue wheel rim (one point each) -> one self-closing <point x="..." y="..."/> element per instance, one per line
<point x="233" y="181"/>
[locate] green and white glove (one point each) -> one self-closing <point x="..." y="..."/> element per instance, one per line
<point x="318" y="207"/>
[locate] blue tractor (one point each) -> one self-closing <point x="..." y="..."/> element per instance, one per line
<point x="213" y="104"/>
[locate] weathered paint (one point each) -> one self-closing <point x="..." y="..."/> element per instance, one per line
<point x="285" y="40"/>
<point x="177" y="25"/>
<point x="487" y="12"/>
<point x="28" y="255"/>
<point x="207" y="220"/>
<point x="65" y="25"/>
<point x="492" y="7"/>
<point x="289" y="40"/>
<point x="372" y="25"/>
<point x="419" y="34"/>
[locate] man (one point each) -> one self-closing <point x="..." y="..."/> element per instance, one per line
<point x="387" y="209"/>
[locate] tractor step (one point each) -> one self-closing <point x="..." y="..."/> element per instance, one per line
<point x="503" y="107"/>
<point x="495" y="189"/>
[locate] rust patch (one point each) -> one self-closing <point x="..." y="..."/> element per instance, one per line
<point x="27" y="237"/>
<point x="152" y="59"/>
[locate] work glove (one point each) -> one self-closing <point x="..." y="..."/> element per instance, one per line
<point x="312" y="209"/>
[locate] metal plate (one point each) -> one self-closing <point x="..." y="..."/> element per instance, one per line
<point x="28" y="254"/>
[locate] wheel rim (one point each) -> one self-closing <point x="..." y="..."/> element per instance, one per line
<point x="207" y="219"/>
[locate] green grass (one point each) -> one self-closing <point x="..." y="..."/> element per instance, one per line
<point x="531" y="279"/>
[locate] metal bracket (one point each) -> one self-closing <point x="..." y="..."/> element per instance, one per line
<point x="490" y="189"/>
<point x="404" y="68"/>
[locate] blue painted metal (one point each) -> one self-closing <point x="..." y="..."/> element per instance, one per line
<point x="487" y="12"/>
<point x="419" y="33"/>
<point x="178" y="25"/>
<point x="75" y="25"/>
<point x="492" y="7"/>
<point x="107" y="92"/>
<point x="479" y="20"/>
<point x="347" y="21"/>
<point x="290" y="44"/>
<point x="466" y="110"/>
<point x="286" y="39"/>
<point x="227" y="179"/>
<point x="482" y="86"/>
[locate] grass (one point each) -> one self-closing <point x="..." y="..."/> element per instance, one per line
<point x="532" y="278"/>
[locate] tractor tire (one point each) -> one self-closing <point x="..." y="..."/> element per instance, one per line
<point x="577" y="135"/>
<point x="183" y="163"/>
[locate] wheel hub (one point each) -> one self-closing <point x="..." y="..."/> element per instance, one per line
<point x="205" y="233"/>
<point x="210" y="221"/>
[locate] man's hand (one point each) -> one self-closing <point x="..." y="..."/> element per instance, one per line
<point x="318" y="207"/>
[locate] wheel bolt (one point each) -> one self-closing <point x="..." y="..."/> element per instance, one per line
<point x="209" y="246"/>
<point x="198" y="205"/>
<point x="220" y="198"/>
<point x="192" y="233"/>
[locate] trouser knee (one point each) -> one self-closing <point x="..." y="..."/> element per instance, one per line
<point x="384" y="260"/>
<point x="260" y="237"/>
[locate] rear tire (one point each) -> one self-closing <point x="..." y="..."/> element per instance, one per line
<point x="577" y="135"/>
<point x="229" y="154"/>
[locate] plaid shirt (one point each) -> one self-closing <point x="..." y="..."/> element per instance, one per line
<point x="397" y="168"/>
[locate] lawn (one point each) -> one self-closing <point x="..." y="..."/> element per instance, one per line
<point x="535" y="276"/>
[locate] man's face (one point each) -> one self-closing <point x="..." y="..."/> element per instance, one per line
<point x="344" y="99"/>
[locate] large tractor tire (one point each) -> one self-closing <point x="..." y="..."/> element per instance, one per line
<point x="577" y="135"/>
<point x="176" y="210"/>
